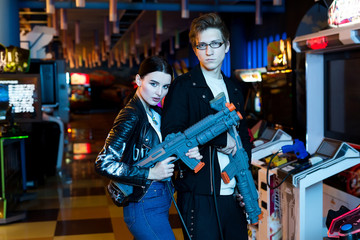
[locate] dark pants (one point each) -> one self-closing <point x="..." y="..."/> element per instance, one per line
<point x="200" y="218"/>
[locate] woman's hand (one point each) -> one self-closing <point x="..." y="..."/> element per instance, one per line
<point x="230" y="147"/>
<point x="194" y="153"/>
<point x="162" y="170"/>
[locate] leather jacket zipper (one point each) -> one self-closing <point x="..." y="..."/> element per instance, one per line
<point x="145" y="191"/>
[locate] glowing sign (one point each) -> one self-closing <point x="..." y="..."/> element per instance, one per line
<point x="79" y="79"/>
<point x="317" y="43"/>
<point x="344" y="12"/>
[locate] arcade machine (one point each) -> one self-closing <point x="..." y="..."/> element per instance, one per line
<point x="277" y="88"/>
<point x="333" y="130"/>
<point x="274" y="101"/>
<point x="20" y="104"/>
<point x="80" y="96"/>
<point x="270" y="142"/>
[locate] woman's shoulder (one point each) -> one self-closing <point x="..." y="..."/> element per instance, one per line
<point x="129" y="113"/>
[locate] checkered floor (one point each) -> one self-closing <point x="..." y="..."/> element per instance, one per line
<point x="73" y="205"/>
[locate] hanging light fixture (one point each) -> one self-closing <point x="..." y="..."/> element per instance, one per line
<point x="277" y="2"/>
<point x="137" y="38"/>
<point x="153" y="37"/>
<point x="50" y="8"/>
<point x="115" y="28"/>
<point x="106" y="33"/>
<point x="177" y="39"/>
<point x="159" y="22"/>
<point x="132" y="43"/>
<point x="96" y="40"/>
<point x="63" y="19"/>
<point x="113" y="11"/>
<point x="146" y="51"/>
<point x="185" y="9"/>
<point x="171" y="46"/>
<point x="55" y="23"/>
<point x="77" y="32"/>
<point x="258" y="14"/>
<point x="80" y="3"/>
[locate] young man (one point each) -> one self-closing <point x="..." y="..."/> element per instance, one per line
<point x="208" y="205"/>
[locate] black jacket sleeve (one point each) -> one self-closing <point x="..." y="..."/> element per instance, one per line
<point x="109" y="162"/>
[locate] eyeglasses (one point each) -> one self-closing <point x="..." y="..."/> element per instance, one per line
<point x="203" y="46"/>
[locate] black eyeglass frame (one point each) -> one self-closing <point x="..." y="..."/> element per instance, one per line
<point x="209" y="44"/>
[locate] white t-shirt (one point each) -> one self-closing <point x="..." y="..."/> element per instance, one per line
<point x="155" y="122"/>
<point x="217" y="86"/>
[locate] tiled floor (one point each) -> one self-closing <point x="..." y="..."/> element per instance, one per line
<point x="73" y="205"/>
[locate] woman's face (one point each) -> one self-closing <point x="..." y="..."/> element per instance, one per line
<point x="153" y="87"/>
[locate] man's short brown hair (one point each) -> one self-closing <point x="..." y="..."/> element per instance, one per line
<point x="209" y="20"/>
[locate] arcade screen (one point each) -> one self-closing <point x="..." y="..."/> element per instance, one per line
<point x="22" y="92"/>
<point x="342" y="95"/>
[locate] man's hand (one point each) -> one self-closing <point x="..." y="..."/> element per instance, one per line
<point x="230" y="146"/>
<point x="194" y="153"/>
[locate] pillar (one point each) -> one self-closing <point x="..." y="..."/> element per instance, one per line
<point x="9" y="23"/>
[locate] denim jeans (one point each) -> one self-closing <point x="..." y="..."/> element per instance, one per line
<point x="149" y="218"/>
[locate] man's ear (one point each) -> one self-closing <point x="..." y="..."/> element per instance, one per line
<point x="138" y="80"/>
<point x="227" y="48"/>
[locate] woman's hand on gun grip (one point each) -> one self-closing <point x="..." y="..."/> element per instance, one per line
<point x="240" y="198"/>
<point x="194" y="153"/>
<point x="162" y="170"/>
<point x="230" y="146"/>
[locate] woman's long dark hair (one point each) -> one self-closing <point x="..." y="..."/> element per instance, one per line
<point x="155" y="64"/>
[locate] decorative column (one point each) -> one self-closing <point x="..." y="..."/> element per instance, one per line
<point x="9" y="19"/>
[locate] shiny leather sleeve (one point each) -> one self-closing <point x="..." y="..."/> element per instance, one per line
<point x="109" y="162"/>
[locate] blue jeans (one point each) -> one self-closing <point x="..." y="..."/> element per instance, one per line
<point x="149" y="218"/>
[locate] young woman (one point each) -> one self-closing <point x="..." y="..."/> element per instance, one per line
<point x="135" y="131"/>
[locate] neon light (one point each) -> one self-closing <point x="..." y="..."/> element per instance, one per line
<point x="79" y="79"/>
<point x="317" y="43"/>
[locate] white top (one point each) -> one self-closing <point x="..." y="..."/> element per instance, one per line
<point x="217" y="86"/>
<point x="155" y="122"/>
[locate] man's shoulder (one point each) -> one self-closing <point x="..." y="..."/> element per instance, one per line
<point x="183" y="80"/>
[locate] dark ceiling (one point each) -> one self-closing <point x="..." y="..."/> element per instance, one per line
<point x="139" y="12"/>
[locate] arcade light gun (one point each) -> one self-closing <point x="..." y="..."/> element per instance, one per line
<point x="239" y="168"/>
<point x="298" y="148"/>
<point x="178" y="144"/>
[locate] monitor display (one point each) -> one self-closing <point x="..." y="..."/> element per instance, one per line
<point x="342" y="95"/>
<point x="20" y="98"/>
<point x="268" y="134"/>
<point x="328" y="148"/>
<point x="48" y="78"/>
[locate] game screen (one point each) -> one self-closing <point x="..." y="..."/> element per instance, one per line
<point x="20" y="98"/>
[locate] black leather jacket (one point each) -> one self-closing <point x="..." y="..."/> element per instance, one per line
<point x="130" y="138"/>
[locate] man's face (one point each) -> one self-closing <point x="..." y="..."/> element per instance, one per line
<point x="211" y="58"/>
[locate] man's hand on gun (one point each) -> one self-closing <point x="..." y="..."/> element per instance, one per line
<point x="194" y="153"/>
<point x="165" y="169"/>
<point x="230" y="146"/>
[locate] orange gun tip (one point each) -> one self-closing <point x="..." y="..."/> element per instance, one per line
<point x="239" y="114"/>
<point x="230" y="106"/>
<point x="225" y="177"/>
